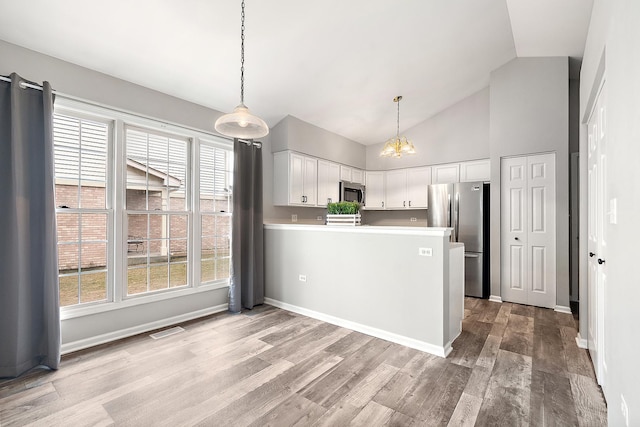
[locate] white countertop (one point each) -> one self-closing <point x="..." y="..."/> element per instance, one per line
<point x="363" y="229"/>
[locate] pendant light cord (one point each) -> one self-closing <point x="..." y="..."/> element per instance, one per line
<point x="242" y="57"/>
<point x="398" y="121"/>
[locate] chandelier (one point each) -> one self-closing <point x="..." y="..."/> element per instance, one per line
<point x="241" y="123"/>
<point x="397" y="146"/>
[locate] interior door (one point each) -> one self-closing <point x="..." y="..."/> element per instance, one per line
<point x="528" y="230"/>
<point x="597" y="242"/>
<point x="513" y="219"/>
<point x="541" y="225"/>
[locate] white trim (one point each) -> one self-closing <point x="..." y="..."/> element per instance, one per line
<point x="138" y="329"/>
<point x="562" y="309"/>
<point x="582" y="342"/>
<point x="414" y="231"/>
<point x="495" y="298"/>
<point x="368" y="330"/>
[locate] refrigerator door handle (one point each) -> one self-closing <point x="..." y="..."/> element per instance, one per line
<point x="468" y="255"/>
<point x="448" y="210"/>
<point x="457" y="217"/>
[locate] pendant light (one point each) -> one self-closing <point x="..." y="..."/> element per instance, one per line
<point x="241" y="123"/>
<point x="396" y="146"/>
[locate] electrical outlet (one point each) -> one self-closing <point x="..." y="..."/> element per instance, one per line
<point x="319" y="218"/>
<point x="413" y="219"/>
<point x="302" y="277"/>
<point x="625" y="410"/>
<point x="425" y="251"/>
<point x="294" y="218"/>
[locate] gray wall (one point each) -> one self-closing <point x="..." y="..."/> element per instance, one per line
<point x="294" y="134"/>
<point x="459" y="133"/>
<point x="621" y="293"/>
<point x="81" y="82"/>
<point x="529" y="114"/>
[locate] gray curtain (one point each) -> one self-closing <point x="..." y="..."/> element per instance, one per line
<point x="29" y="311"/>
<point x="247" y="264"/>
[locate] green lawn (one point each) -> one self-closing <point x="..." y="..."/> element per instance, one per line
<point x="93" y="285"/>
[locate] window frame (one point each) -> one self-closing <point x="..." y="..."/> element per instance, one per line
<point x="116" y="181"/>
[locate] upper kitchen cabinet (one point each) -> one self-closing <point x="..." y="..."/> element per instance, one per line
<point x="295" y="179"/>
<point x="328" y="182"/>
<point x="349" y="174"/>
<point x="477" y="170"/>
<point x="407" y="188"/>
<point x="374" y="196"/>
<point x="445" y="174"/>
<point x="357" y="176"/>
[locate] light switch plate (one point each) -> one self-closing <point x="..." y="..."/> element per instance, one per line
<point x="294" y="218"/>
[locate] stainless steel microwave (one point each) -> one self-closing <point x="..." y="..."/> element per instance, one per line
<point x="351" y="192"/>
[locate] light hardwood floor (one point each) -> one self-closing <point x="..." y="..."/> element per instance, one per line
<point x="512" y="365"/>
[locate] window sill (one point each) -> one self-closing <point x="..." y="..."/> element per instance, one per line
<point x="91" y="309"/>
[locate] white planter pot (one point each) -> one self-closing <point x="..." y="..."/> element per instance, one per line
<point x="344" y="219"/>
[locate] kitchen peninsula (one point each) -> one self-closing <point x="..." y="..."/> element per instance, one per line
<point x="402" y="284"/>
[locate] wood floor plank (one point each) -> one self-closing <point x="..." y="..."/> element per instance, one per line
<point x="296" y="409"/>
<point x="373" y="414"/>
<point x="507" y="399"/>
<point x="591" y="407"/>
<point x="552" y="402"/>
<point x="271" y="367"/>
<point x="466" y="411"/>
<point x="548" y="350"/>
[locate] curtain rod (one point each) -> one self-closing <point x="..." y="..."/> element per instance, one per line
<point x="24" y="84"/>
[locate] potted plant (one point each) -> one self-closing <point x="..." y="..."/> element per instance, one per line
<point x="343" y="213"/>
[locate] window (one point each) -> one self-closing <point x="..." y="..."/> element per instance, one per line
<point x="157" y="211"/>
<point x="215" y="212"/>
<point x="82" y="208"/>
<point x="143" y="209"/>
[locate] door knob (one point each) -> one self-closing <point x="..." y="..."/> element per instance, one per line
<point x="591" y="254"/>
<point x="600" y="261"/>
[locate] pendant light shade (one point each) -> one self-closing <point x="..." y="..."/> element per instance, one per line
<point x="241" y="123"/>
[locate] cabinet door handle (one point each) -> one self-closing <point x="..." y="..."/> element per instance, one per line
<point x="409" y="203"/>
<point x="329" y="200"/>
<point x="404" y="204"/>
<point x="383" y="204"/>
<point x="591" y="254"/>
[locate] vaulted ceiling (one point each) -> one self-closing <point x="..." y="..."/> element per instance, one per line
<point x="334" y="63"/>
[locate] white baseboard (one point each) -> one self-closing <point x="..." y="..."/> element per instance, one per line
<point x="441" y="351"/>
<point x="562" y="309"/>
<point x="124" y="333"/>
<point x="495" y="298"/>
<point x="581" y="342"/>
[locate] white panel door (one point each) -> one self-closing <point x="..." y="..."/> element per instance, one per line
<point x="513" y="214"/>
<point x="541" y="236"/>
<point x="395" y="184"/>
<point x="345" y="173"/>
<point x="528" y="230"/>
<point x="596" y="234"/>
<point x="357" y="176"/>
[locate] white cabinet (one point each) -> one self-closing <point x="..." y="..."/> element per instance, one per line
<point x="445" y="174"/>
<point x="345" y="173"/>
<point x="476" y="170"/>
<point x="295" y="179"/>
<point x="407" y="188"/>
<point x="374" y="196"/>
<point x="349" y="174"/>
<point x="418" y="180"/>
<point x="328" y="182"/>
<point x="357" y="176"/>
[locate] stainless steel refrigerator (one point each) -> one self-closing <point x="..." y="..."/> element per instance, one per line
<point x="464" y="207"/>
